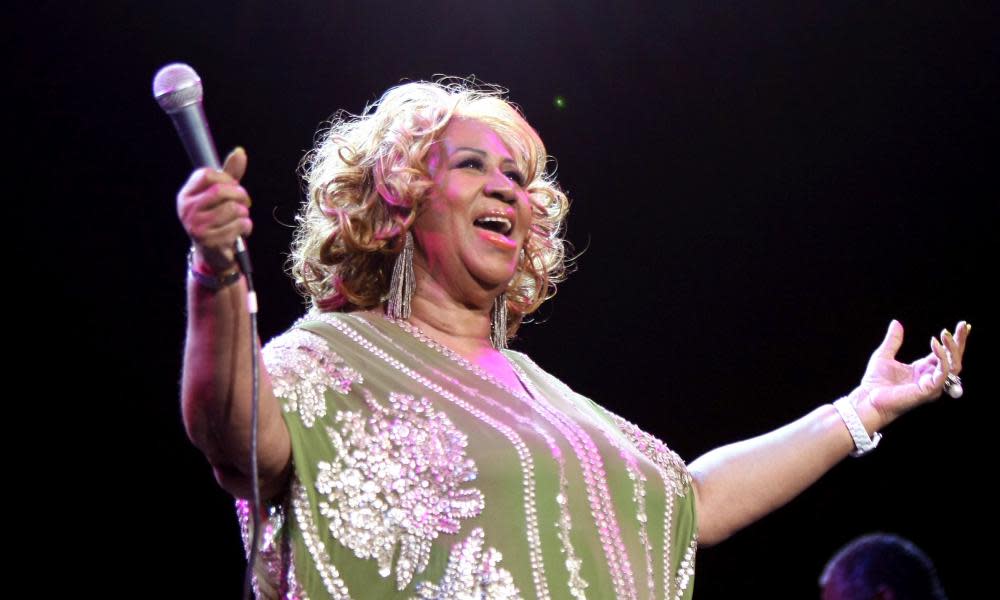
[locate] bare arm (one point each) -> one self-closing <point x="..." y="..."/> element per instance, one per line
<point x="216" y="380"/>
<point x="738" y="484"/>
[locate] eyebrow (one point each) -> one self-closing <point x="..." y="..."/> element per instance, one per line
<point x="470" y="149"/>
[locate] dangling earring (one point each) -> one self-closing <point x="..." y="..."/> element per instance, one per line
<point x="498" y="326"/>
<point x="401" y="283"/>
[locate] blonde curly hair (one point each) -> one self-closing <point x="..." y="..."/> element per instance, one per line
<point x="367" y="178"/>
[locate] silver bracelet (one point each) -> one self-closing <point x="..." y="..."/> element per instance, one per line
<point x="862" y="443"/>
<point x="212" y="282"/>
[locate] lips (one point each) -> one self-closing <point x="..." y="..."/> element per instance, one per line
<point x="496" y="224"/>
<point x="497" y="221"/>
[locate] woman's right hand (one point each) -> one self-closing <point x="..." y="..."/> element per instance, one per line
<point x="215" y="209"/>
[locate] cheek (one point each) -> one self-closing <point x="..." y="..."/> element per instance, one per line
<point x="434" y="244"/>
<point x="526" y="215"/>
<point x="446" y="201"/>
<point x="435" y="211"/>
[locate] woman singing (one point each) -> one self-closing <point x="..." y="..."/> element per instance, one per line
<point x="404" y="451"/>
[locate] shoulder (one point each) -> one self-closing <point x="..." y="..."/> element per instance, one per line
<point x="311" y="337"/>
<point x="303" y="365"/>
<point x="300" y="349"/>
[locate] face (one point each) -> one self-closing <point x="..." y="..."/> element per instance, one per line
<point x="477" y="216"/>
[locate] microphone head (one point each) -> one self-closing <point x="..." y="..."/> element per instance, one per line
<point x="177" y="86"/>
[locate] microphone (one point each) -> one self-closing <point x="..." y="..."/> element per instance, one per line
<point x="177" y="88"/>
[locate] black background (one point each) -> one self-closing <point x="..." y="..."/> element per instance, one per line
<point x="758" y="188"/>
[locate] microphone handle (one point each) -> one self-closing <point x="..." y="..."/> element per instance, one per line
<point x="192" y="127"/>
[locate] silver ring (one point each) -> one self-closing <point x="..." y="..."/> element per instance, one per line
<point x="953" y="386"/>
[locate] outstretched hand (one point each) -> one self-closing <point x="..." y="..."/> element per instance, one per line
<point x="893" y="388"/>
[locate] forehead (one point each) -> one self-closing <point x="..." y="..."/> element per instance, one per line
<point x="469" y="133"/>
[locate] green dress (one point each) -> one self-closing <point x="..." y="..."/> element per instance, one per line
<point x="418" y="475"/>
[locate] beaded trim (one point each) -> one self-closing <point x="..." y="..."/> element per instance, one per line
<point x="527" y="463"/>
<point x="274" y="556"/>
<point x="639" y="498"/>
<point x="675" y="476"/>
<point x="602" y="508"/>
<point x="686" y="570"/>
<point x="676" y="473"/>
<point x="334" y="585"/>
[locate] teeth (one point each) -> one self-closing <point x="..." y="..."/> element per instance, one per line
<point x="504" y="223"/>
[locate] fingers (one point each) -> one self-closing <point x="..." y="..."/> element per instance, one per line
<point x="925" y="365"/>
<point x="935" y="381"/>
<point x="221" y="239"/>
<point x="214" y="209"/>
<point x="220" y="193"/>
<point x="214" y="233"/>
<point x="955" y="345"/>
<point x="212" y="198"/>
<point x="206" y="221"/>
<point x="892" y="341"/>
<point x="962" y="330"/>
<point x="236" y="163"/>
<point x="204" y="178"/>
<point x="954" y="352"/>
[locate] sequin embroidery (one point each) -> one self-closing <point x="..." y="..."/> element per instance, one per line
<point x="397" y="481"/>
<point x="639" y="498"/>
<point x="274" y="555"/>
<point x="577" y="584"/>
<point x="523" y="454"/>
<point x="302" y="367"/>
<point x="473" y="573"/>
<point x="329" y="574"/>
<point x="658" y="452"/>
<point x="686" y="570"/>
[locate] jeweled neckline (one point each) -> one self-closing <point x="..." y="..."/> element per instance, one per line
<point x="463" y="362"/>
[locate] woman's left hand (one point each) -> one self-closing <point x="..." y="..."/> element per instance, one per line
<point x="893" y="388"/>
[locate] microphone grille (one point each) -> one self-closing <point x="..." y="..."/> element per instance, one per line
<point x="176" y="86"/>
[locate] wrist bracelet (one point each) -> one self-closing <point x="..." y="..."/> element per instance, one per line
<point x="212" y="282"/>
<point x="862" y="443"/>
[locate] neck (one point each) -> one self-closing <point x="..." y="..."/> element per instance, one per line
<point x="462" y="326"/>
<point x="465" y="332"/>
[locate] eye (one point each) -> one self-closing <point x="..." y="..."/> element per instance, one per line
<point x="516" y="177"/>
<point x="471" y="162"/>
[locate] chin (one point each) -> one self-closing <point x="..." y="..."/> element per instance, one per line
<point x="494" y="279"/>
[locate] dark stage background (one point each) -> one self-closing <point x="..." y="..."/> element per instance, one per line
<point x="758" y="189"/>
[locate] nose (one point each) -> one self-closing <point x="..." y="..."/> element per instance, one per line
<point x="500" y="187"/>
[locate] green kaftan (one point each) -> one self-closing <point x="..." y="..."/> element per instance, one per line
<point x="417" y="475"/>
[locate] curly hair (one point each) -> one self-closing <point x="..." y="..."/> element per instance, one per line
<point x="367" y="178"/>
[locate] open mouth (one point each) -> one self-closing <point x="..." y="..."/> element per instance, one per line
<point x="494" y="223"/>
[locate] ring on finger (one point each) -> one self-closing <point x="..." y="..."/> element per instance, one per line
<point x="953" y="386"/>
